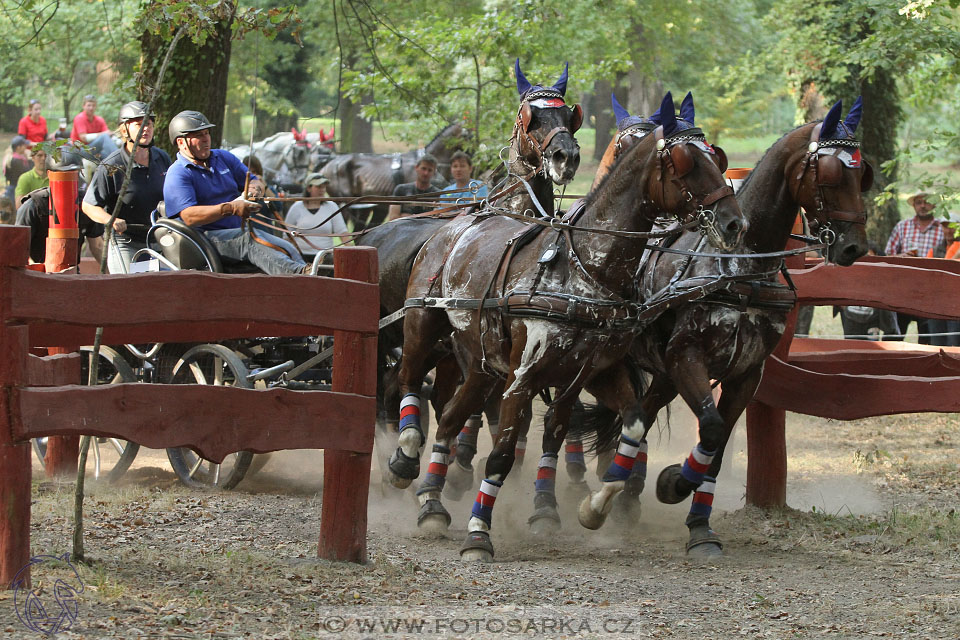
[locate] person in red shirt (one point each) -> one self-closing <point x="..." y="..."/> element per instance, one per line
<point x="91" y="129"/>
<point x="33" y="126"/>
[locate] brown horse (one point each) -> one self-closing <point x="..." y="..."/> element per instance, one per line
<point x="548" y="310"/>
<point x="542" y="140"/>
<point x="728" y="336"/>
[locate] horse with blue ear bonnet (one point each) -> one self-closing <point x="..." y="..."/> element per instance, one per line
<point x="728" y="336"/>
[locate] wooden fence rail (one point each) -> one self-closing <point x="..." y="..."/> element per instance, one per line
<point x="42" y="396"/>
<point x="850" y="379"/>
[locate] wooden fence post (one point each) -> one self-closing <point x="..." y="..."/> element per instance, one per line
<point x="61" y="254"/>
<point x="14" y="457"/>
<point x="346" y="475"/>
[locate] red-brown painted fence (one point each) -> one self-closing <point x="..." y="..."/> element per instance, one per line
<point x="40" y="310"/>
<point x="850" y="379"/>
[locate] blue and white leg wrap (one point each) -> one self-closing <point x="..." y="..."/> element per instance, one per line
<point x="436" y="471"/>
<point x="622" y="463"/>
<point x="573" y="455"/>
<point x="702" y="503"/>
<point x="697" y="464"/>
<point x="483" y="506"/>
<point x="410" y="413"/>
<point x="547" y="473"/>
<point x="640" y="464"/>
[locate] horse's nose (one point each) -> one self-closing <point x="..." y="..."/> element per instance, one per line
<point x="735" y="229"/>
<point x="568" y="159"/>
<point x="850" y="253"/>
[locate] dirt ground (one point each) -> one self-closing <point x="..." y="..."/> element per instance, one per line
<point x="869" y="548"/>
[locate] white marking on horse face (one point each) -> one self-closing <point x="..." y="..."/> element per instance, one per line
<point x="556" y="172"/>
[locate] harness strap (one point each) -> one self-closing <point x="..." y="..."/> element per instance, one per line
<point x="722" y="192"/>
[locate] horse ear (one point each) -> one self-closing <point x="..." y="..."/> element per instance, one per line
<point x="523" y="85"/>
<point x="829" y="129"/>
<point x="853" y="117"/>
<point x="561" y="84"/>
<point x="686" y="108"/>
<point x="619" y="113"/>
<point x="668" y="116"/>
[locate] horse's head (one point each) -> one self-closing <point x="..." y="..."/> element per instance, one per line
<point x="688" y="177"/>
<point x="543" y="131"/>
<point x="827" y="176"/>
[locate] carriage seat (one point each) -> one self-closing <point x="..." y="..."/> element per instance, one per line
<point x="187" y="248"/>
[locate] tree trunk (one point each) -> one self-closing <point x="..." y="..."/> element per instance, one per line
<point x="271" y="123"/>
<point x="881" y="121"/>
<point x="604" y="121"/>
<point x="10" y="114"/>
<point x="197" y="80"/>
<point x="356" y="134"/>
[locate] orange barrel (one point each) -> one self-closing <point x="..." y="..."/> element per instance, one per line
<point x="64" y="191"/>
<point x="736" y="176"/>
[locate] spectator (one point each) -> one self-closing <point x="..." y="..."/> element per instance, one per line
<point x="36" y="177"/>
<point x="946" y="333"/>
<point x="426" y="170"/>
<point x="461" y="167"/>
<point x="34" y="212"/>
<point x="8" y="215"/>
<point x="33" y="126"/>
<point x="275" y="209"/>
<point x="144" y="191"/>
<point x="916" y="236"/>
<point x="15" y="165"/>
<point x="204" y="189"/>
<point x="316" y="217"/>
<point x="92" y="130"/>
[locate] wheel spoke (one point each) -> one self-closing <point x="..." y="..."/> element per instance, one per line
<point x="96" y="458"/>
<point x="216" y="474"/>
<point x="218" y="371"/>
<point x="196" y="466"/>
<point x="118" y="445"/>
<point x="198" y="373"/>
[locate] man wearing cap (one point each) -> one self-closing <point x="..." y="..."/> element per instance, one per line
<point x="917" y="236"/>
<point x="91" y="129"/>
<point x="15" y="165"/>
<point x="318" y="219"/>
<point x="204" y="186"/>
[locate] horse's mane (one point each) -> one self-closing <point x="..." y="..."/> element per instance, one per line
<point x="594" y="193"/>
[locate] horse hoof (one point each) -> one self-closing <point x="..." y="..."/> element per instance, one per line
<point x="402" y="469"/>
<point x="667" y="485"/>
<point x="590" y="518"/>
<point x="626" y="508"/>
<point x="477" y="547"/>
<point x="459" y="481"/>
<point x="704" y="544"/>
<point x="544" y="521"/>
<point x="433" y="517"/>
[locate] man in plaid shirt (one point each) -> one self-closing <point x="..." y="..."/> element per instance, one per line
<point x="918" y="236"/>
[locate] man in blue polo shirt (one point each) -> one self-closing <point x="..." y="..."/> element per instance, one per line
<point x="203" y="188"/>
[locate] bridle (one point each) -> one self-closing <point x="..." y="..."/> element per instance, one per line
<point x="675" y="161"/>
<point x="824" y="163"/>
<point x="529" y="149"/>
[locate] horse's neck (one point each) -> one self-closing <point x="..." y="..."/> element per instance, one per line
<point x="767" y="204"/>
<point x="542" y="188"/>
<point x="620" y="204"/>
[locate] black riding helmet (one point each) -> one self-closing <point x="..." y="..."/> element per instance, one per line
<point x="187" y="122"/>
<point x="134" y="111"/>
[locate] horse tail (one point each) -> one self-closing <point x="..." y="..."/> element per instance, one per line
<point x="596" y="425"/>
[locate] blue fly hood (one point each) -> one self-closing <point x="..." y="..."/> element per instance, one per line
<point x="667" y="117"/>
<point x="838" y="135"/>
<point x="525" y="89"/>
<point x="625" y="120"/>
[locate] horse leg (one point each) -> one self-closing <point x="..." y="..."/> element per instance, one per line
<point x="515" y="413"/>
<point x="576" y="466"/>
<point x="422" y="328"/>
<point x="614" y="389"/>
<point x="737" y="393"/>
<point x="546" y="518"/>
<point x="460" y="475"/>
<point x="433" y="516"/>
<point x="658" y="395"/>
<point x="689" y="372"/>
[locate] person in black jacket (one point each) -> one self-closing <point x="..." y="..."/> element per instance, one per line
<point x="144" y="190"/>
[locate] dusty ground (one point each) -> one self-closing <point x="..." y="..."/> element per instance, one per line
<point x="870" y="548"/>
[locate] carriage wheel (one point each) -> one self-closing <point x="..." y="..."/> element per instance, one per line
<point x="111" y="456"/>
<point x="217" y="365"/>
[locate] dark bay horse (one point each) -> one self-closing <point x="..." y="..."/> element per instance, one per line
<point x="373" y="174"/>
<point x="556" y="310"/>
<point x="542" y="138"/>
<point x="728" y="336"/>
